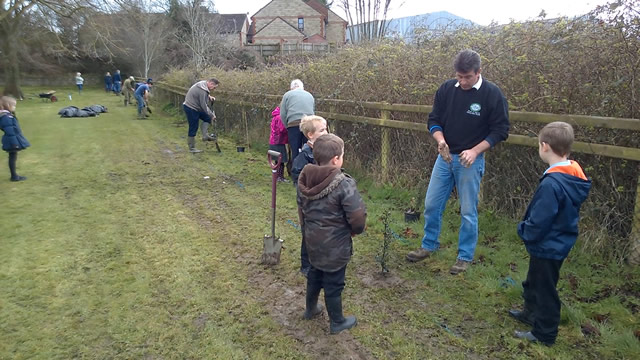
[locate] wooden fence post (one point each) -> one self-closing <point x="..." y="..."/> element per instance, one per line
<point x="226" y="119"/>
<point x="634" y="235"/>
<point x="246" y="126"/>
<point x="332" y="110"/>
<point x="385" y="147"/>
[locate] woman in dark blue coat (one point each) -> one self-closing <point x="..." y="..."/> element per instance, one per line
<point x="108" y="82"/>
<point x="12" y="140"/>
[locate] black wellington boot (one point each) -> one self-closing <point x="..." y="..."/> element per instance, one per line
<point x="281" y="174"/>
<point x="525" y="316"/>
<point x="13" y="157"/>
<point x="337" y="321"/>
<point x="313" y="308"/>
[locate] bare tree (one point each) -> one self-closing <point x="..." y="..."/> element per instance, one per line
<point x="132" y="32"/>
<point x="203" y="31"/>
<point x="148" y="30"/>
<point x="12" y="16"/>
<point x="368" y="18"/>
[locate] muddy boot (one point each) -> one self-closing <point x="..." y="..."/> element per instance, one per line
<point x="191" y="141"/>
<point x="313" y="308"/>
<point x="204" y="128"/>
<point x="525" y="316"/>
<point x="337" y="321"/>
<point x="126" y="102"/>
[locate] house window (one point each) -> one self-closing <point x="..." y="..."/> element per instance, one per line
<point x="301" y="24"/>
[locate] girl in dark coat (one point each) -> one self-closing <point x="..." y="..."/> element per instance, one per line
<point x="12" y="140"/>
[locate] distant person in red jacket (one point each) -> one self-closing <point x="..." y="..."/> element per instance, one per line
<point x="278" y="141"/>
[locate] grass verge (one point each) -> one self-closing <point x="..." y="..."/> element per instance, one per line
<point x="117" y="246"/>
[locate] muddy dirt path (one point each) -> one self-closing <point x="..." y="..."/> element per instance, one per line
<point x="281" y="291"/>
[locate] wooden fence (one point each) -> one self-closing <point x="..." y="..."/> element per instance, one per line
<point x="288" y="48"/>
<point x="248" y="100"/>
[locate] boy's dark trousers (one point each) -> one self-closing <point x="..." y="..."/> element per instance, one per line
<point x="331" y="282"/>
<point x="305" y="265"/>
<point x="541" y="297"/>
<point x="304" y="256"/>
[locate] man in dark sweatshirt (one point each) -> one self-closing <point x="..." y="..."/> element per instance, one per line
<point x="196" y="107"/>
<point x="470" y="115"/>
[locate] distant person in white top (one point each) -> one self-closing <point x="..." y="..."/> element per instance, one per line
<point x="79" y="82"/>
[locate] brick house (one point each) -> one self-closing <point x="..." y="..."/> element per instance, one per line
<point x="296" y="21"/>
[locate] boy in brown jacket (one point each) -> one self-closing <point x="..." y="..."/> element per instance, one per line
<point x="332" y="211"/>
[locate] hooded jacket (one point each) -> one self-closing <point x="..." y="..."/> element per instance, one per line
<point x="332" y="210"/>
<point x="305" y="156"/>
<point x="550" y="225"/>
<point x="12" y="140"/>
<point x="279" y="134"/>
<point x="197" y="98"/>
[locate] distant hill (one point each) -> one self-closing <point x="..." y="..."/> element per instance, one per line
<point x="403" y="28"/>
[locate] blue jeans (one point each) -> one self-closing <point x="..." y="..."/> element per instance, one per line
<point x="193" y="118"/>
<point x="467" y="181"/>
<point x="140" y="100"/>
<point x="116" y="87"/>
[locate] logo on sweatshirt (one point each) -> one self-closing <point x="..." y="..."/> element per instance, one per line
<point x="474" y="109"/>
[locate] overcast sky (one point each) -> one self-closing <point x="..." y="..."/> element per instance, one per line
<point x="478" y="11"/>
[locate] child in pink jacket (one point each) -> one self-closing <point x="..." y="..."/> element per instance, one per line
<point x="278" y="141"/>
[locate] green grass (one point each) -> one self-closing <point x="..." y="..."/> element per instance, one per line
<point x="117" y="247"/>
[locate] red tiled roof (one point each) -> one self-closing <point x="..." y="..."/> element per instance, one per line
<point x="316" y="39"/>
<point x="318" y="7"/>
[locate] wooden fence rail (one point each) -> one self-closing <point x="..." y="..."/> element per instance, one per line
<point x="269" y="101"/>
<point x="613" y="151"/>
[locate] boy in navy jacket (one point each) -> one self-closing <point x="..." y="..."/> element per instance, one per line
<point x="549" y="230"/>
<point x="312" y="127"/>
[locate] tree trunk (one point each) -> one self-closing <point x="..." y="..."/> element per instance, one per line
<point x="11" y="65"/>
